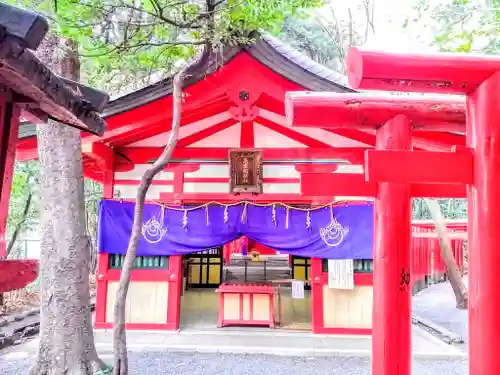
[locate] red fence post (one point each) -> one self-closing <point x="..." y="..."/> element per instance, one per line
<point x="391" y="338"/>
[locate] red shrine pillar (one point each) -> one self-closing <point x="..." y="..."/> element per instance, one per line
<point x="483" y="135"/>
<point x="9" y="127"/>
<point x="391" y="334"/>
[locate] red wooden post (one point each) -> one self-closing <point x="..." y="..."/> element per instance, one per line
<point x="9" y="127"/>
<point x="391" y="256"/>
<point x="484" y="219"/>
<point x="103" y="264"/>
<point x="478" y="77"/>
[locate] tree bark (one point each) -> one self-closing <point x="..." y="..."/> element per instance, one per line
<point x="452" y="270"/>
<point x="66" y="336"/>
<point x="120" y="365"/>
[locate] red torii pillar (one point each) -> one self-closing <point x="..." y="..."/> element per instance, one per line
<point x="400" y="174"/>
<point x="391" y="332"/>
<point x="477" y="77"/>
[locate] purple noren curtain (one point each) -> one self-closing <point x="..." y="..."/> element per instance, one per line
<point x="341" y="232"/>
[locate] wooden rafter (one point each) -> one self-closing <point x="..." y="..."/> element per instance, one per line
<point x="139" y="133"/>
<point x="205" y="133"/>
<point x="292" y="134"/>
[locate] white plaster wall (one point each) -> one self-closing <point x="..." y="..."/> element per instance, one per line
<point x="130" y="191"/>
<point x="137" y="172"/>
<point x="127" y="191"/>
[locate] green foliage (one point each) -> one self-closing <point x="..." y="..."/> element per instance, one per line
<point x="133" y="42"/>
<point x="327" y="34"/>
<point x="462" y="25"/>
<point x="450" y="208"/>
<point x="309" y="37"/>
<point x="23" y="203"/>
<point x="25" y="184"/>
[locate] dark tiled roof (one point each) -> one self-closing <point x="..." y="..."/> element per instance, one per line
<point x="268" y="50"/>
<point x="300" y="68"/>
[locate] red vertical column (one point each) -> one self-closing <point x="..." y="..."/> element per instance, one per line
<point x="317" y="295"/>
<point x="391" y="337"/>
<point x="483" y="135"/>
<point x="103" y="265"/>
<point x="9" y="129"/>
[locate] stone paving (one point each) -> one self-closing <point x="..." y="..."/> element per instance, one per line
<point x="437" y="304"/>
<point x="261" y="341"/>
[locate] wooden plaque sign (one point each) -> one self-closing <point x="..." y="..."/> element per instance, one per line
<point x="245" y="171"/>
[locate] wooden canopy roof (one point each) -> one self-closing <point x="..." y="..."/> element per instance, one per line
<point x="32" y="85"/>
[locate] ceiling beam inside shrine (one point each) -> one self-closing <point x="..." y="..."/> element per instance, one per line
<point x="353" y="155"/>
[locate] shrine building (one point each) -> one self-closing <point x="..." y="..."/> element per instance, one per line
<point x="232" y="234"/>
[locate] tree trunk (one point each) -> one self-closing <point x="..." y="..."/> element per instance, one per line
<point x="66" y="336"/>
<point x="454" y="274"/>
<point x="120" y="366"/>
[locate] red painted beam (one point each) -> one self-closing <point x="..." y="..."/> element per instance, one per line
<point x="247" y="136"/>
<point x="439" y="139"/>
<point x="332" y="110"/>
<point x="16" y="274"/>
<point x="419" y="166"/>
<point x="451" y="73"/>
<point x="27" y="148"/>
<point x="287" y="132"/>
<point x="316" y="168"/>
<point x="356" y="135"/>
<point x="438" y="190"/>
<point x="142" y="155"/>
<point x="349" y="184"/>
<point x="205" y="133"/>
<point x="136" y="133"/>
<point x="102" y="154"/>
<point x="229" y="198"/>
<point x="331" y="184"/>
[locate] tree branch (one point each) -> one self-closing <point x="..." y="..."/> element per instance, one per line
<point x="457" y="284"/>
<point x="20" y="223"/>
<point x="119" y="336"/>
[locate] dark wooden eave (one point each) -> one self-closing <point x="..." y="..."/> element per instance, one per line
<point x="33" y="85"/>
<point x="270" y="51"/>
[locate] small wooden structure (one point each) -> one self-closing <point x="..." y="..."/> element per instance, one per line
<point x="246" y="304"/>
<point x="30" y="91"/>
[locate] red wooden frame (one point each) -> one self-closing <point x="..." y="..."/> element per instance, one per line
<point x="172" y="276"/>
<point x="242" y="290"/>
<point x="319" y="279"/>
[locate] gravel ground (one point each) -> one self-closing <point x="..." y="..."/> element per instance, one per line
<point x="146" y="363"/>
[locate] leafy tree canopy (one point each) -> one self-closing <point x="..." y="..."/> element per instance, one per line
<point x="460" y="25"/>
<point x="123" y="42"/>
